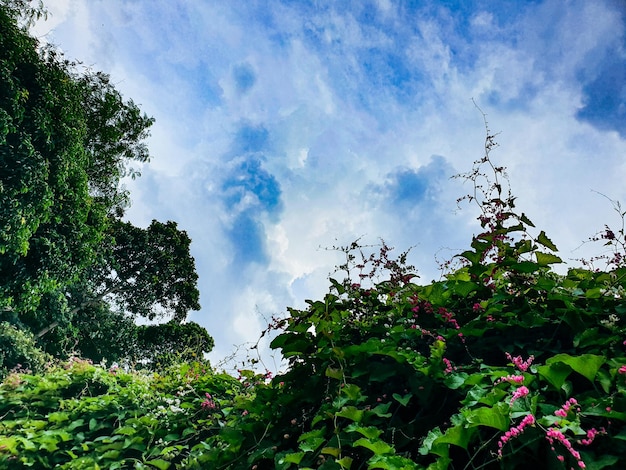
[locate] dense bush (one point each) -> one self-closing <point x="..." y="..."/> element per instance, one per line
<point x="18" y="350"/>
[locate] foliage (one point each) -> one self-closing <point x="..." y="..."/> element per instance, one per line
<point x="83" y="416"/>
<point x="168" y="343"/>
<point x="70" y="268"/>
<point x="18" y="351"/>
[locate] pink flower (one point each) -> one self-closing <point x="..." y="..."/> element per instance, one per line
<point x="449" y="367"/>
<point x="554" y="434"/>
<point x="520" y="363"/>
<point x="518" y="379"/>
<point x="208" y="403"/>
<point x="519" y="393"/>
<point x="622" y="370"/>
<point x="515" y="431"/>
<point x="562" y="412"/>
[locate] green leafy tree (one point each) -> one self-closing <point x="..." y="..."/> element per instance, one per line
<point x="145" y="273"/>
<point x="168" y="343"/>
<point x="65" y="142"/>
<point x="70" y="269"/>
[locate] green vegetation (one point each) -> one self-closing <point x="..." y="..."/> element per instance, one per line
<point x="71" y="271"/>
<point x="503" y="363"/>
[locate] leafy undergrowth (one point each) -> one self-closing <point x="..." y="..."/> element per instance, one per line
<point x="501" y="364"/>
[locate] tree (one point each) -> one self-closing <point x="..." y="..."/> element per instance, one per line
<point x="65" y="141"/>
<point x="168" y="343"/>
<point x="148" y="272"/>
<point x="71" y="271"/>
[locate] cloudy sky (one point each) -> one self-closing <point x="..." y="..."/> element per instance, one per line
<point x="287" y="127"/>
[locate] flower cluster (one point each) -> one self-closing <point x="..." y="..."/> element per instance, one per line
<point x="449" y="367"/>
<point x="513" y="379"/>
<point x="208" y="403"/>
<point x="554" y="434"/>
<point x="520" y="363"/>
<point x="515" y="431"/>
<point x="519" y="393"/>
<point x="591" y="435"/>
<point x="562" y="412"/>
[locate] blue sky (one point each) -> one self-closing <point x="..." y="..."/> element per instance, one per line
<point x="285" y="127"/>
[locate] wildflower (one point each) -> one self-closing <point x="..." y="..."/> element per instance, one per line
<point x="562" y="412"/>
<point x="477" y="307"/>
<point x="515" y="431"/>
<point x="208" y="403"/>
<point x="518" y="379"/>
<point x="622" y="370"/>
<point x="519" y="393"/>
<point x="520" y="363"/>
<point x="449" y="367"/>
<point x="591" y="435"/>
<point x="554" y="434"/>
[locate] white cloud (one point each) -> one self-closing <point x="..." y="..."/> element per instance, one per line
<point x="346" y="104"/>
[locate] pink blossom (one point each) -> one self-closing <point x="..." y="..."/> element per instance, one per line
<point x="519" y="393"/>
<point x="622" y="370"/>
<point x="518" y="379"/>
<point x="449" y="367"/>
<point x="554" y="434"/>
<point x="520" y="363"/>
<point x="515" y="431"/>
<point x="562" y="412"/>
<point x="208" y="403"/>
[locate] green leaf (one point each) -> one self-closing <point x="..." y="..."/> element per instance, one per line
<point x="455" y="380"/>
<point x="126" y="431"/>
<point x="310" y="441"/>
<point x="352" y="391"/>
<point x="403" y="400"/>
<point x="586" y="365"/>
<point x="526" y="220"/>
<point x="429" y="447"/>
<point x="377" y="446"/>
<point x="555" y="373"/>
<point x="159" y="463"/>
<point x="371" y="432"/>
<point x="391" y="462"/>
<point x="57" y="417"/>
<point x="544" y="259"/>
<point x="545" y="241"/>
<point x="382" y="410"/>
<point x="525" y="267"/>
<point x="495" y="417"/>
<point x="331" y="451"/>
<point x="598" y="463"/>
<point x="345" y="462"/>
<point x="334" y="373"/>
<point x="350" y="412"/>
<point x="295" y="457"/>
<point x="457" y="435"/>
<point x="594" y="293"/>
<point x="111" y="454"/>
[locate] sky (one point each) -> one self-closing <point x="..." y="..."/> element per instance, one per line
<point x="285" y="127"/>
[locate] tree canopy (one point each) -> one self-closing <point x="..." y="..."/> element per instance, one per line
<point x="67" y="259"/>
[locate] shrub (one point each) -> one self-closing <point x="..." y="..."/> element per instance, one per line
<point x="19" y="351"/>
